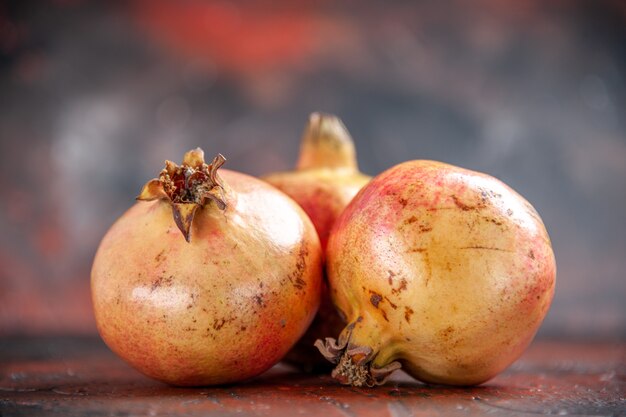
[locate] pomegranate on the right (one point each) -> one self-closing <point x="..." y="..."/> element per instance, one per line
<point x="444" y="272"/>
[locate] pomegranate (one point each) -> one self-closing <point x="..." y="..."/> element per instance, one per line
<point x="210" y="278"/>
<point x="326" y="179"/>
<point x="442" y="271"/>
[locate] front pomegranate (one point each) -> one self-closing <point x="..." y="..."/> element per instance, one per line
<point x="442" y="271"/>
<point x="209" y="278"/>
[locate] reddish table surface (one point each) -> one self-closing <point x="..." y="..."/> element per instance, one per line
<point x="81" y="377"/>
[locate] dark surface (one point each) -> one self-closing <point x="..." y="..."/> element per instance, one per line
<point x="81" y="377"/>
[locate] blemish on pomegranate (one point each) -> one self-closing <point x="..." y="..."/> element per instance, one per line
<point x="384" y="314"/>
<point x="492" y="220"/>
<point x="401" y="287"/>
<point x="403" y="202"/>
<point x="460" y="204"/>
<point x="509" y="212"/>
<point x="410" y="220"/>
<point x="423" y="228"/>
<point x="160" y="281"/>
<point x="259" y="300"/>
<point x="531" y="254"/>
<point x="394" y="306"/>
<point x="218" y="324"/>
<point x="417" y="250"/>
<point x="375" y="299"/>
<point x="296" y="278"/>
<point x="485" y="248"/>
<point x="408" y="312"/>
<point x="160" y="256"/>
<point x="447" y="332"/>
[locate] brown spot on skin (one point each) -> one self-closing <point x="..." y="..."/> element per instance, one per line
<point x="429" y="268"/>
<point x="492" y="220"/>
<point x="410" y="220"/>
<point x="300" y="283"/>
<point x="259" y="300"/>
<point x="243" y="328"/>
<point x="391" y="304"/>
<point x="423" y="228"/>
<point x="218" y="324"/>
<point x="390" y="277"/>
<point x="460" y="204"/>
<point x="375" y="299"/>
<point x="403" y="202"/>
<point x="160" y="257"/>
<point x="420" y="250"/>
<point x="401" y="288"/>
<point x="531" y="255"/>
<point x="408" y="312"/>
<point x="485" y="248"/>
<point x="160" y="281"/>
<point x="296" y="277"/>
<point x="509" y="212"/>
<point x="447" y="332"/>
<point x="350" y="326"/>
<point x="384" y="314"/>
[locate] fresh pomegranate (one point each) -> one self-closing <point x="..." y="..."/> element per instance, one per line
<point x="442" y="271"/>
<point x="326" y="179"/>
<point x="209" y="278"/>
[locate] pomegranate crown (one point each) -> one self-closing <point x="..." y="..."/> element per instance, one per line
<point x="187" y="187"/>
<point x="326" y="143"/>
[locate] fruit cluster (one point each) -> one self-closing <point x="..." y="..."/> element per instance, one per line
<point x="214" y="276"/>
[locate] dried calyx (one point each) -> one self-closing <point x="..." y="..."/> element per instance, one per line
<point x="188" y="186"/>
<point x="355" y="362"/>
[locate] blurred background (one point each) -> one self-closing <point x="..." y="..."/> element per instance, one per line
<point x="95" y="95"/>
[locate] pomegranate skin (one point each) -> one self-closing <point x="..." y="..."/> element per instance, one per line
<point x="224" y="307"/>
<point x="324" y="182"/>
<point x="443" y="270"/>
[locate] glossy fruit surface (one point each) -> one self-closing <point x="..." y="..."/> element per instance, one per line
<point x="225" y="305"/>
<point x="443" y="271"/>
<point x="324" y="182"/>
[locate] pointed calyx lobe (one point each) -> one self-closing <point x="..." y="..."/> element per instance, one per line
<point x="188" y="186"/>
<point x="327" y="144"/>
